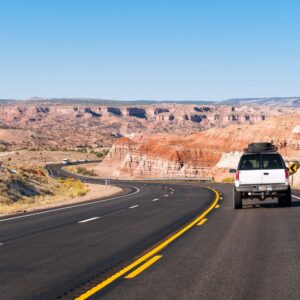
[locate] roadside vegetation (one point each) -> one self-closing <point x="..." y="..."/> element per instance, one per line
<point x="73" y="187"/>
<point x="23" y="188"/>
<point x="100" y="154"/>
<point x="81" y="170"/>
<point x="26" y="186"/>
<point x="228" y="180"/>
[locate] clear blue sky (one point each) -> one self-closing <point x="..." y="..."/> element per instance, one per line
<point x="149" y="49"/>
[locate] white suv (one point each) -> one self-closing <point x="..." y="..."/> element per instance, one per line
<point x="261" y="173"/>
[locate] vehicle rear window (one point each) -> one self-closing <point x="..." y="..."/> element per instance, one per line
<point x="250" y="162"/>
<point x="272" y="161"/>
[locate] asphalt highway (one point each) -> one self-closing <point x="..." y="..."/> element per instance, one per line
<point x="153" y="241"/>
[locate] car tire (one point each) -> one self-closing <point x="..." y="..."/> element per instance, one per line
<point x="237" y="199"/>
<point x="286" y="200"/>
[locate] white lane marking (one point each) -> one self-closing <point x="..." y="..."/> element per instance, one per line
<point x="134" y="206"/>
<point x="89" y="220"/>
<point x="72" y="206"/>
<point x="296" y="197"/>
<point x="1" y="244"/>
<point x="156" y="199"/>
<point x="166" y="195"/>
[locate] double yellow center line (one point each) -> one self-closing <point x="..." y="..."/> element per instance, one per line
<point x="151" y="255"/>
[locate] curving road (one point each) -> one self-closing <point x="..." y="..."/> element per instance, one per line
<point x="43" y="255"/>
<point x="145" y="245"/>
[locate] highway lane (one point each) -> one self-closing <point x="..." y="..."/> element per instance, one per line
<point x="44" y="255"/>
<point x="253" y="253"/>
<point x="232" y="254"/>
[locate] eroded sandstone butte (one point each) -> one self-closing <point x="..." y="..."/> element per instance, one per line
<point x="197" y="154"/>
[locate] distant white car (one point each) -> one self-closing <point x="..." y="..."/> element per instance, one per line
<point x="82" y="160"/>
<point x="261" y="173"/>
<point x="66" y="161"/>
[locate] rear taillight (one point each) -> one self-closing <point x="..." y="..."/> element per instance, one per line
<point x="287" y="174"/>
<point x="237" y="175"/>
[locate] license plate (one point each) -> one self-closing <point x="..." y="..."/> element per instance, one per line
<point x="265" y="188"/>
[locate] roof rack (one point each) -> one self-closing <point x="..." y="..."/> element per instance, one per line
<point x="260" y="147"/>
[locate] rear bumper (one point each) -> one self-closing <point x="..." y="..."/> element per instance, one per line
<point x="262" y="188"/>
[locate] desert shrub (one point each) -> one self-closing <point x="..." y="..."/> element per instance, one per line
<point x="73" y="187"/>
<point x="228" y="180"/>
<point x="85" y="172"/>
<point x="71" y="169"/>
<point x="99" y="154"/>
<point x="82" y="150"/>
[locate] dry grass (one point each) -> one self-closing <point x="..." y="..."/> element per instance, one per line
<point x="228" y="180"/>
<point x="29" y="187"/>
<point x="63" y="194"/>
<point x="81" y="170"/>
<point x="73" y="187"/>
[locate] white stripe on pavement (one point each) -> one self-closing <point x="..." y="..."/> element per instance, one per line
<point x="134" y="206"/>
<point x="156" y="199"/>
<point x="296" y="197"/>
<point x="89" y="220"/>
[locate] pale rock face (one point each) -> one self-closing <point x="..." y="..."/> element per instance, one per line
<point x="229" y="160"/>
<point x="296" y="129"/>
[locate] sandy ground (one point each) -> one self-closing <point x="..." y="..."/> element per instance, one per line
<point x="46" y="202"/>
<point x="34" y="159"/>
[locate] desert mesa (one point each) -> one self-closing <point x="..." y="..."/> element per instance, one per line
<point x="153" y="140"/>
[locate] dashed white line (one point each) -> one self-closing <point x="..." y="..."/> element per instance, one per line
<point x="156" y="199"/>
<point x="296" y="197"/>
<point x="166" y="195"/>
<point x="89" y="220"/>
<point x="1" y="244"/>
<point x="134" y="206"/>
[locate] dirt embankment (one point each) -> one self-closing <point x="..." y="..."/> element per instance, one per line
<point x="25" y="185"/>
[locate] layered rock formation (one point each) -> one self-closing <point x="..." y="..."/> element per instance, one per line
<point x="54" y="125"/>
<point x="200" y="154"/>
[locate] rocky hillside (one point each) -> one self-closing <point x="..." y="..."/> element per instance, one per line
<point x="199" y="154"/>
<point x="45" y="125"/>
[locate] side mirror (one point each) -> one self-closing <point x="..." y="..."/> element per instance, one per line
<point x="232" y="171"/>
